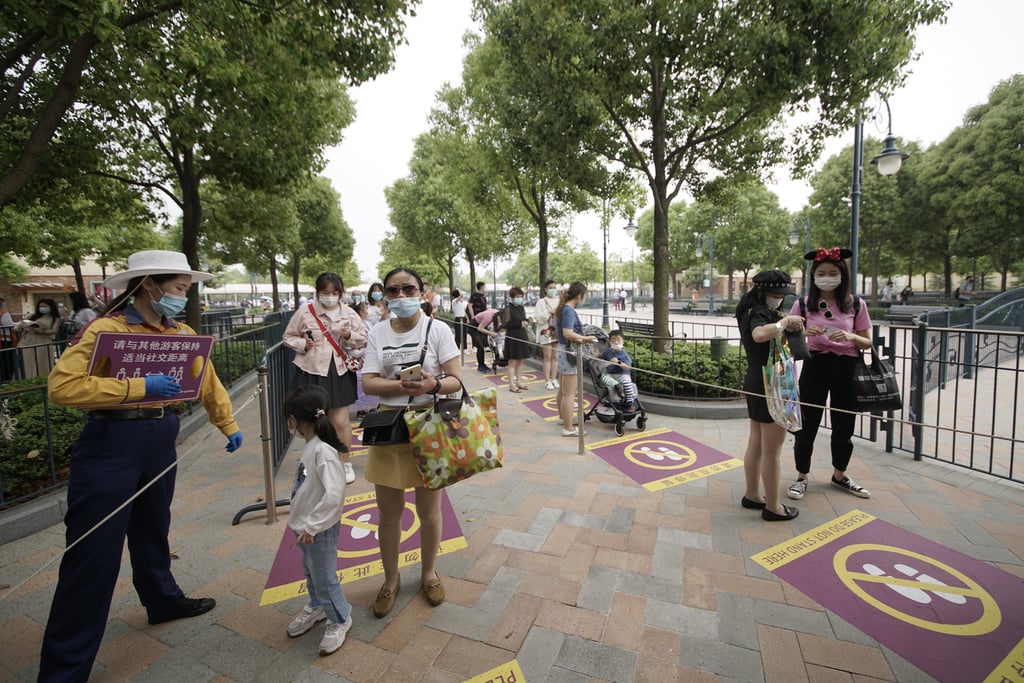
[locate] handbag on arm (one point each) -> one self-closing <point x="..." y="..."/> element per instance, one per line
<point x="386" y="427"/>
<point x="456" y="438"/>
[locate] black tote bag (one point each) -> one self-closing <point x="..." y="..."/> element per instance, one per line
<point x="874" y="386"/>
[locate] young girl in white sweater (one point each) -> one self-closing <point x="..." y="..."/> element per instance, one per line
<point x="317" y="500"/>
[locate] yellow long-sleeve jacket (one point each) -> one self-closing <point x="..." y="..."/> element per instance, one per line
<point x="70" y="384"/>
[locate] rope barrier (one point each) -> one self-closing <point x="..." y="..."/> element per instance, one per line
<point x="803" y="404"/>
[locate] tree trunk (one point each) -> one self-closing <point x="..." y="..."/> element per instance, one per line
<point x="63" y="97"/>
<point x="295" y="281"/>
<point x="273" y="284"/>
<point x="471" y="260"/>
<point x="76" y="266"/>
<point x="191" y="225"/>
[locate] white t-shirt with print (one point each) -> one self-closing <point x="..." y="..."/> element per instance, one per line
<point x="388" y="351"/>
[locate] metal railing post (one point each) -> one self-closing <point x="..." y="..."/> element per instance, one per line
<point x="580" y="445"/>
<point x="917" y="387"/>
<point x="969" y="356"/>
<point x="266" y="439"/>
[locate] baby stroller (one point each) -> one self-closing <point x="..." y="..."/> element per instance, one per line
<point x="497" y="346"/>
<point x="610" y="407"/>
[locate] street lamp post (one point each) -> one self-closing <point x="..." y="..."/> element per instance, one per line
<point x="604" y="301"/>
<point x="711" y="278"/>
<point x="793" y="239"/>
<point x="888" y="162"/>
<point x="631" y="231"/>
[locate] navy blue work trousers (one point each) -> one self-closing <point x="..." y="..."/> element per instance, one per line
<point x="110" y="462"/>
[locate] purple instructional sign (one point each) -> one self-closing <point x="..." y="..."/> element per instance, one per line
<point x="127" y="355"/>
<point x="955" y="617"/>
<point x="358" y="551"/>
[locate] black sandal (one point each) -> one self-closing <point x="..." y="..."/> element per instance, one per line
<point x="769" y="516"/>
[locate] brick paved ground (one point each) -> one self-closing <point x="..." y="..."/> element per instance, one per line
<point x="571" y="568"/>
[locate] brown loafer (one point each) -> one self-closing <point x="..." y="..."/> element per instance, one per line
<point x="434" y="590"/>
<point x="385" y="599"/>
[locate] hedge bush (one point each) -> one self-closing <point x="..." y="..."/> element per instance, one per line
<point x="24" y="460"/>
<point x="689" y="370"/>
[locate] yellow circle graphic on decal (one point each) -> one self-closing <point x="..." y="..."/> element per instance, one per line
<point x="911" y="581"/>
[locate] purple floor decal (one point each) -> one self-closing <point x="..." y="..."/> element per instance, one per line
<point x="546" y="405"/>
<point x="660" y="458"/>
<point x="955" y="617"/>
<point x="358" y="554"/>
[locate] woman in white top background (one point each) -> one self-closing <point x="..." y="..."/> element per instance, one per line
<point x="547" y="337"/>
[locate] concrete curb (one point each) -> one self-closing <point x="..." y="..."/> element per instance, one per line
<point x="45" y="511"/>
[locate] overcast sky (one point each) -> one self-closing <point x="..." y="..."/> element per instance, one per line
<point x="960" y="62"/>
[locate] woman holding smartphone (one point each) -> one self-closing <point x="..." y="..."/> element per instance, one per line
<point x="322" y="333"/>
<point x="838" y="328"/>
<point x="407" y="357"/>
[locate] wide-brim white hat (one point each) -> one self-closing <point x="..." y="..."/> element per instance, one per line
<point x="155" y="262"/>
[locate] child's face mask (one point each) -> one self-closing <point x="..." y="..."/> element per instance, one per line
<point x="616" y="347"/>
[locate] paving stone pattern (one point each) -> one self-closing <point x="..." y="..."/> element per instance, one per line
<point x="571" y="568"/>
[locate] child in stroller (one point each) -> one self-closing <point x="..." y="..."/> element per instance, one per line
<point x="612" y="381"/>
<point x="615" y="375"/>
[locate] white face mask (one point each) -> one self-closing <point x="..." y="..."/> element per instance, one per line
<point x="774" y="301"/>
<point x="552" y="293"/>
<point x="293" y="426"/>
<point x="616" y="347"/>
<point x="827" y="284"/>
<point x="329" y="301"/>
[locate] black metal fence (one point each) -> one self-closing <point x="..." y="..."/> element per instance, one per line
<point x="36" y="434"/>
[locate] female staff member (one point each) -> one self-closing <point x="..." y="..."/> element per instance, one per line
<point x="838" y="327"/>
<point x="547" y="337"/>
<point x="120" y="450"/>
<point x="393" y="346"/>
<point x="759" y="321"/>
<point x="37" y="332"/>
<point x="322" y="332"/>
<point x="570" y="331"/>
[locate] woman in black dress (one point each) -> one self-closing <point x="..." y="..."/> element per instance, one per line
<point x="513" y="321"/>
<point x="759" y="321"/>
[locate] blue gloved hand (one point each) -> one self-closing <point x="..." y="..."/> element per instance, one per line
<point x="161" y="385"/>
<point x="234" y="442"/>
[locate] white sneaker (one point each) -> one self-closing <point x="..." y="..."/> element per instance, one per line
<point x="334" y="636"/>
<point x="797" y="489"/>
<point x="555" y="382"/>
<point x="549" y="385"/>
<point x="350" y="474"/>
<point x="307" y="618"/>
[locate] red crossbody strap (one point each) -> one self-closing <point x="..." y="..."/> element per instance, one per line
<point x="327" y="334"/>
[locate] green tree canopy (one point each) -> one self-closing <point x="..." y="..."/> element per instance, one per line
<point x="682" y="92"/>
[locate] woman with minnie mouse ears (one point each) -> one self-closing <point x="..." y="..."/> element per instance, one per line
<point x="838" y="328"/>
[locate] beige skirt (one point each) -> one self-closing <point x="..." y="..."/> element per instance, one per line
<point x="393" y="466"/>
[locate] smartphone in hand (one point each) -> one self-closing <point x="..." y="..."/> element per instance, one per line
<point x="413" y="373"/>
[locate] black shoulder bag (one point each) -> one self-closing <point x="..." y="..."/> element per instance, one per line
<point x="386" y="427"/>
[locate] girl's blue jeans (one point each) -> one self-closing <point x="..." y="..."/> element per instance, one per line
<point x="320" y="565"/>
